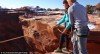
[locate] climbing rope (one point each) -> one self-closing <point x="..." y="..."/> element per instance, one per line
<point x="16" y="39"/>
<point x="11" y="39"/>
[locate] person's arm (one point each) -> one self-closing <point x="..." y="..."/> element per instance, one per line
<point x="70" y="15"/>
<point x="62" y="20"/>
<point x="71" y="20"/>
<point x="68" y="25"/>
<point x="87" y="16"/>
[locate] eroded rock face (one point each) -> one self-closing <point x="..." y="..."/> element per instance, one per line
<point x="43" y="37"/>
<point x="10" y="27"/>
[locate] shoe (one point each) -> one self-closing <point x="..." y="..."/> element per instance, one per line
<point x="58" y="50"/>
<point x="65" y="50"/>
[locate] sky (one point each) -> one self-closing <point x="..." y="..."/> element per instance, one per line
<point x="42" y="3"/>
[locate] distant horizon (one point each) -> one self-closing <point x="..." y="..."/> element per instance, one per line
<point x="41" y="3"/>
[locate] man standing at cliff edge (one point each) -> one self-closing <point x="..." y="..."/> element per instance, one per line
<point x="79" y="20"/>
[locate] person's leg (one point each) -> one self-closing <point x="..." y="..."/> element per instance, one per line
<point x="75" y="43"/>
<point x="66" y="49"/>
<point x="61" y="42"/>
<point x="82" y="42"/>
<point x="67" y="42"/>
